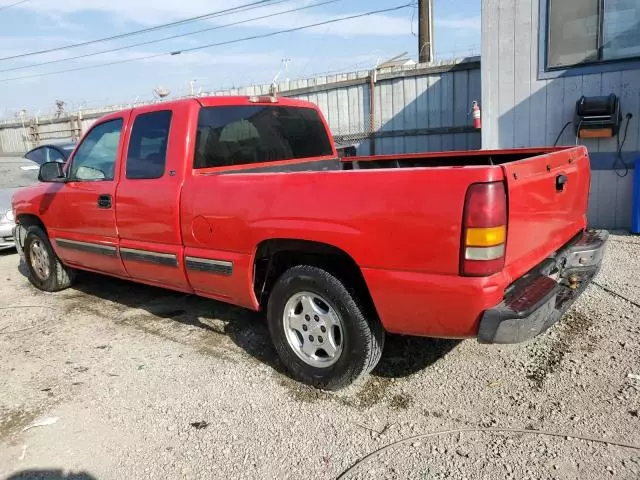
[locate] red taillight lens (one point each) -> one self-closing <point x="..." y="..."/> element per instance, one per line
<point x="486" y="205"/>
<point x="484" y="230"/>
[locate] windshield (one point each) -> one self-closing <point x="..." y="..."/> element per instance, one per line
<point x="17" y="173"/>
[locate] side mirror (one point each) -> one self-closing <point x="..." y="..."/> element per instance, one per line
<point x="52" y="172"/>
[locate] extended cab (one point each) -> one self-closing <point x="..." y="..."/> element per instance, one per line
<point x="244" y="200"/>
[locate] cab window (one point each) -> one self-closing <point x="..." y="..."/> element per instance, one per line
<point x="54" y="155"/>
<point x="147" y="154"/>
<point x="241" y="135"/>
<point x="95" y="158"/>
<point x="37" y="155"/>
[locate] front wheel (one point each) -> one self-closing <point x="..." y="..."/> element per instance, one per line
<point x="320" y="330"/>
<point x="46" y="271"/>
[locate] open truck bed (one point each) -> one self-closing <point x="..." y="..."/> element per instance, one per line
<point x="547" y="193"/>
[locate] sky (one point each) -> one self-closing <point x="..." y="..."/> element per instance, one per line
<point x="350" y="45"/>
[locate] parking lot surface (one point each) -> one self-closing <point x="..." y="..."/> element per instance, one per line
<point x="136" y="382"/>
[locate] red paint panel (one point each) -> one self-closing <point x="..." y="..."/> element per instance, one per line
<point x="147" y="212"/>
<point x="94" y="260"/>
<point x="423" y="304"/>
<point x="71" y="212"/>
<point x="541" y="218"/>
<point x="392" y="219"/>
<point x="236" y="288"/>
<point x="165" y="275"/>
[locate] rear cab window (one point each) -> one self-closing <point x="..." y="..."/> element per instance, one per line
<point x="147" y="152"/>
<point x="250" y="134"/>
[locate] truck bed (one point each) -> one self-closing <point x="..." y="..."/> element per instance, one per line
<point x="445" y="159"/>
<point x="542" y="216"/>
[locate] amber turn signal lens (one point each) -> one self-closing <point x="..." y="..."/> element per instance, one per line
<point x="486" y="237"/>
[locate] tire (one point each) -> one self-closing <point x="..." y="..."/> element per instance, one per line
<point x="357" y="340"/>
<point x="46" y="272"/>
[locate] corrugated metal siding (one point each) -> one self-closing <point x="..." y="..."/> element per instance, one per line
<point x="610" y="202"/>
<point x="13" y="139"/>
<point x="519" y="110"/>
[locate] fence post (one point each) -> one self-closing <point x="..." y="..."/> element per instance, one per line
<point x="34" y="133"/>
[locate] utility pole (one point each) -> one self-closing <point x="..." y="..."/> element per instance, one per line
<point x="425" y="31"/>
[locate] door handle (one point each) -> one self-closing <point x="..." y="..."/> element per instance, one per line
<point x="104" y="201"/>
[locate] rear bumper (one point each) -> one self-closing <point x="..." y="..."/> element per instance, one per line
<point x="539" y="299"/>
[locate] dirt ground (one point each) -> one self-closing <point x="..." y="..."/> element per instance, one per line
<point x="138" y="382"/>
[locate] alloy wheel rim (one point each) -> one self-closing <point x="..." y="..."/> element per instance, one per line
<point x="313" y="328"/>
<point x="39" y="259"/>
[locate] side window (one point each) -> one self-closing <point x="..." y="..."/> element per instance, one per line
<point x="95" y="158"/>
<point x="147" y="154"/>
<point x="54" y="155"/>
<point x="37" y="155"/>
<point x="241" y="135"/>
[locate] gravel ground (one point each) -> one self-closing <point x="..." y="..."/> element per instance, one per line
<point x="147" y="383"/>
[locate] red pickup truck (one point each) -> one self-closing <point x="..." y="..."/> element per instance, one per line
<point x="244" y="200"/>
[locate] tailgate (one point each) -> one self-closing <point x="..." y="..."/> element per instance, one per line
<point x="547" y="201"/>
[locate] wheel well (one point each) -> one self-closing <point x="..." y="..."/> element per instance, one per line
<point x="27" y="220"/>
<point x="274" y="257"/>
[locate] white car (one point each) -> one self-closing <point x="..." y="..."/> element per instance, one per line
<point x="15" y="172"/>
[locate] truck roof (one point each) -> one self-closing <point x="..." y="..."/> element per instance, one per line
<point x="253" y="100"/>
<point x="223" y="100"/>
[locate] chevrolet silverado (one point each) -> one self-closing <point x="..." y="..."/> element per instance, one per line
<point x="244" y="200"/>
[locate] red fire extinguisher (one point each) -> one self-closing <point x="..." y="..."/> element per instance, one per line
<point x="475" y="112"/>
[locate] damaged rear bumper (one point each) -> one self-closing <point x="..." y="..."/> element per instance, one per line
<point x="539" y="299"/>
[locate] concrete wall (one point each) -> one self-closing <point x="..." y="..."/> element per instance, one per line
<point x="521" y="107"/>
<point x="417" y="108"/>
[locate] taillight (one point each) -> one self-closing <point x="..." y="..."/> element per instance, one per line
<point x="484" y="230"/>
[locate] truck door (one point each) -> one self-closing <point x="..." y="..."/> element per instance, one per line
<point x="148" y="196"/>
<point x="83" y="221"/>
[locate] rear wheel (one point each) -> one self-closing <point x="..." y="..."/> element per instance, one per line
<point x="320" y="330"/>
<point x="46" y="271"/>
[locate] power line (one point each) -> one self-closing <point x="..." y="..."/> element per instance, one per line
<point x="172" y="37"/>
<point x="15" y="4"/>
<point x="240" y="8"/>
<point x="210" y="45"/>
